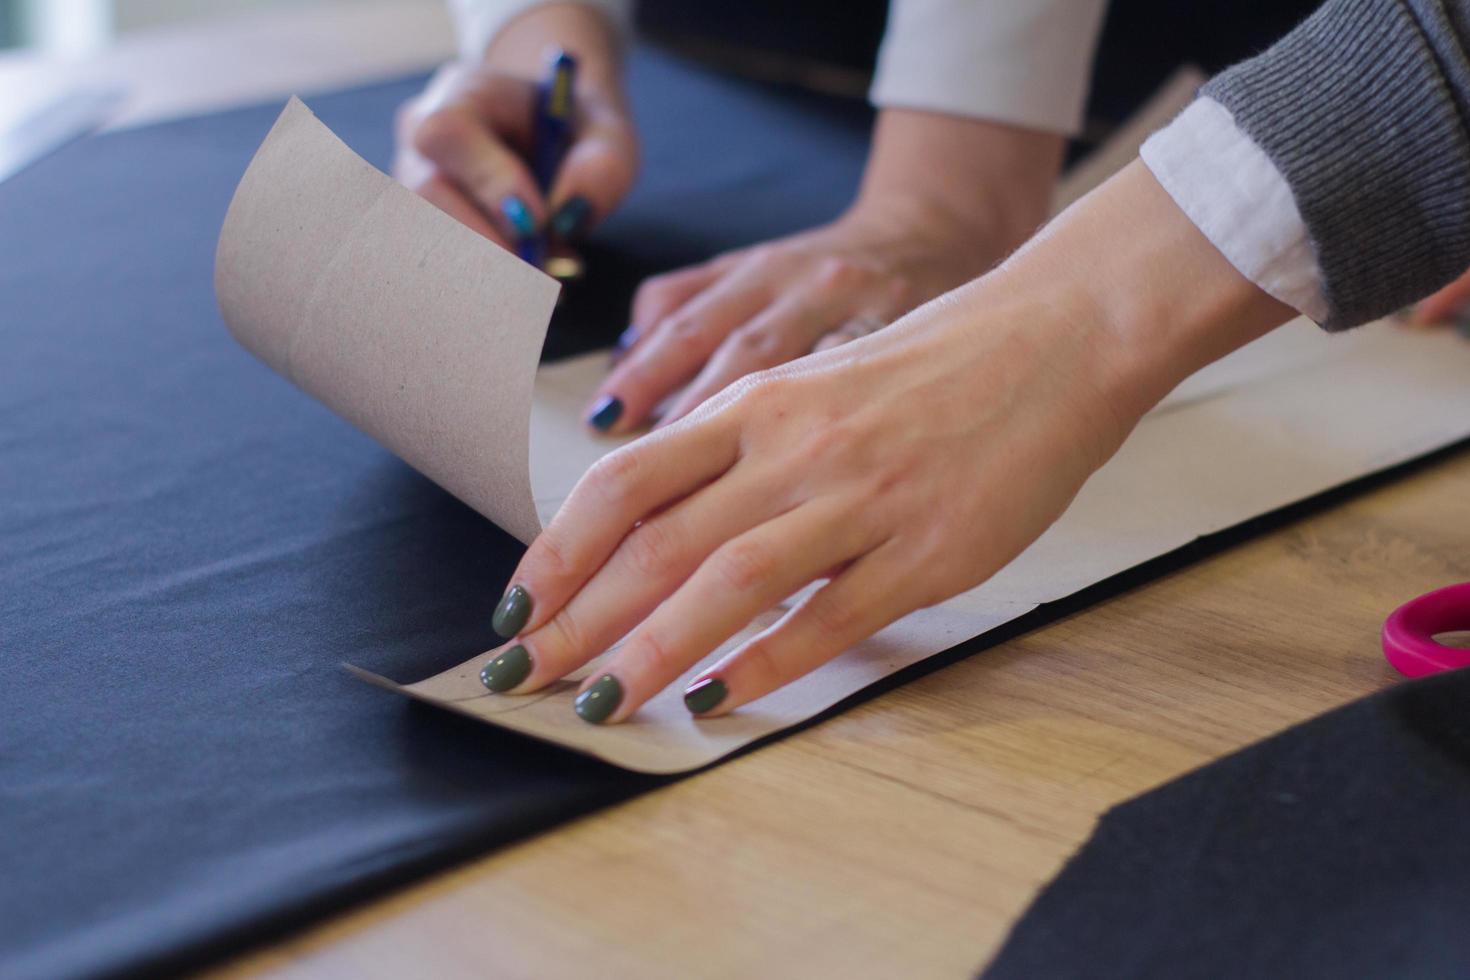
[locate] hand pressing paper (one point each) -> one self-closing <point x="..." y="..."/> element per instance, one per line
<point x="427" y="337"/>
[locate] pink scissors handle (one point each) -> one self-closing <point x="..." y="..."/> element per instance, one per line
<point x="1408" y="634"/>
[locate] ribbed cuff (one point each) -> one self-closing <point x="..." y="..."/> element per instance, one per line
<point x="1356" y="111"/>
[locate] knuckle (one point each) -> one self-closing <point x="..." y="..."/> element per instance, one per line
<point x="681" y="327"/>
<point x="604" y="167"/>
<point x="760" y="663"/>
<point x="764" y="393"/>
<point x="565" y="634"/>
<point x="551" y="561"/>
<point x="652" y="548"/>
<point x="614" y="477"/>
<point x="744" y="566"/>
<point x="836" y="273"/>
<point x="658" y="656"/>
<point x="758" y="345"/>
<point x="832" y="615"/>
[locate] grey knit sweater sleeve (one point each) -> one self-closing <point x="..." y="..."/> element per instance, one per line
<point x="1365" y="111"/>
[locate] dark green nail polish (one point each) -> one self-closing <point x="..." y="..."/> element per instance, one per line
<point x="507" y="670"/>
<point x="606" y="412"/>
<point x="596" y="704"/>
<point x="518" y="215"/>
<point x="571" y="218"/>
<point x="512" y="612"/>
<point x="705" y="695"/>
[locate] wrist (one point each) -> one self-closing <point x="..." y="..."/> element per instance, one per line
<point x="1148" y="292"/>
<point x="521" y="45"/>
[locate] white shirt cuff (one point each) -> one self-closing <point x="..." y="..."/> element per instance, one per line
<point x="1025" y="62"/>
<point x="1235" y="195"/>
<point x="476" y="22"/>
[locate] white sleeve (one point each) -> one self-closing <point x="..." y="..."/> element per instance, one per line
<point x="1234" y="194"/>
<point x="1026" y="62"/>
<point x="476" y="22"/>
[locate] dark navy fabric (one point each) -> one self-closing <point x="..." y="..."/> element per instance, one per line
<point x="189" y="547"/>
<point x="1336" y="849"/>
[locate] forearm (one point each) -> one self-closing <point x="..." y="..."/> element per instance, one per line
<point x="991" y="182"/>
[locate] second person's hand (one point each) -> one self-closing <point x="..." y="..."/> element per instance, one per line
<point x="943" y="199"/>
<point x="464" y="144"/>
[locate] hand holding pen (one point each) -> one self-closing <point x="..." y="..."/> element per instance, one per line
<point x="530" y="147"/>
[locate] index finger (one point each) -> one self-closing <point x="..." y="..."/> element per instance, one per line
<point x="623" y="488"/>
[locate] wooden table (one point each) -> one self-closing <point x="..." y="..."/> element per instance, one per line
<point x="901" y="838"/>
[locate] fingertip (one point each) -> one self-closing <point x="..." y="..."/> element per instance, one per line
<point x="512" y="612"/>
<point x="518" y="215"/>
<point x="507" y="670"/>
<point x="605" y="413"/>
<point x="571" y="219"/>
<point x="598" y="700"/>
<point x="705" y="696"/>
<point x="625" y="343"/>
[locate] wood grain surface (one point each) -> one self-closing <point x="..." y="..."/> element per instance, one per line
<point x="903" y="837"/>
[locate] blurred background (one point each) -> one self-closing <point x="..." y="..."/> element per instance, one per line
<point x="74" y="65"/>
<point x="72" y="28"/>
<point x="70" y="65"/>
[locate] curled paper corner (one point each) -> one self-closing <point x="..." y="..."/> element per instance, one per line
<point x="367" y="676"/>
<point x="423" y="334"/>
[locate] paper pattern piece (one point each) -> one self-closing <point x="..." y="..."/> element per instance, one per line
<point x="428" y="337"/>
<point x="391" y="313"/>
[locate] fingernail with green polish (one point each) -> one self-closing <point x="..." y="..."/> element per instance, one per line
<point x="705" y="695"/>
<point x="512" y="612"/>
<point x="518" y="215"/>
<point x="507" y="670"/>
<point x="571" y="218"/>
<point x="596" y="704"/>
<point x="606" y="412"/>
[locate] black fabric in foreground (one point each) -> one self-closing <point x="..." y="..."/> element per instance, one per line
<point x="189" y="547"/>
<point x="1336" y="849"/>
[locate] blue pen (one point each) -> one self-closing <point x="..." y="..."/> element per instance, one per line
<point x="553" y="126"/>
<point x="551" y="135"/>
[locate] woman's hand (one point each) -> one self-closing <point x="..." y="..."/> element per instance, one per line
<point x="464" y="144"/>
<point x="902" y="468"/>
<point x="763" y="306"/>
<point x="943" y="200"/>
